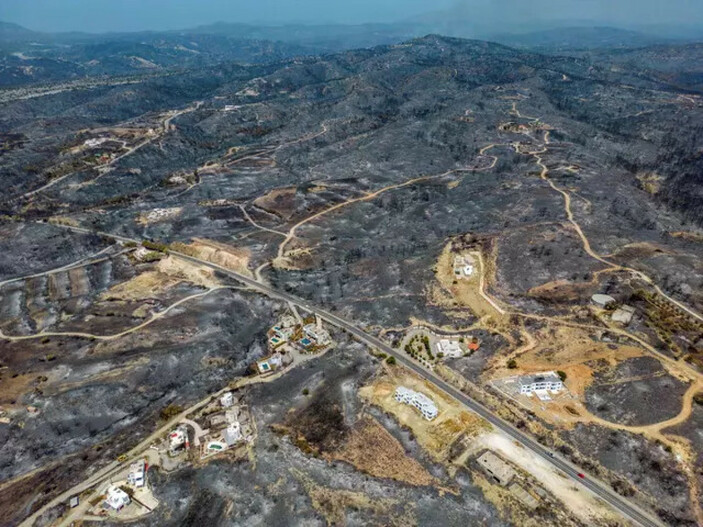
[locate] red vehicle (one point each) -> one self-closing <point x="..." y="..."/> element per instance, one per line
<point x="582" y="475"/>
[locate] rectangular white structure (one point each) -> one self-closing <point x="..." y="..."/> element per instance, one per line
<point x="540" y="382"/>
<point x="419" y="400"/>
<point x="137" y="473"/>
<point x="449" y="348"/>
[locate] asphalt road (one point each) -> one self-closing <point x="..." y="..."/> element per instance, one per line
<point x="604" y="492"/>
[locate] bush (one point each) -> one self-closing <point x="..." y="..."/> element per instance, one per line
<point x="172" y="410"/>
<point x="306" y="391"/>
<point x="391" y="361"/>
<point x="155" y="246"/>
<point x="512" y="364"/>
<point x="562" y="375"/>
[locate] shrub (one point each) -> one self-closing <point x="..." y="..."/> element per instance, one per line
<point x="512" y="364"/>
<point x="562" y="375"/>
<point x="391" y="361"/>
<point x="171" y="411"/>
<point x="155" y="246"/>
<point x="306" y="391"/>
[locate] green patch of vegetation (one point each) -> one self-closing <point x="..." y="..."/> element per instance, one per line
<point x="171" y="411"/>
<point x="562" y="375"/>
<point x="512" y="364"/>
<point x="155" y="246"/>
<point x="391" y="361"/>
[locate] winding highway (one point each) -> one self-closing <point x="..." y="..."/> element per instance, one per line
<point x="617" y="502"/>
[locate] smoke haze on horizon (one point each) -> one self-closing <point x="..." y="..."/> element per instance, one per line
<point x="479" y="15"/>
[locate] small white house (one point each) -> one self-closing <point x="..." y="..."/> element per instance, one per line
<point x="449" y="348"/>
<point x="227" y="399"/>
<point x="419" y="400"/>
<point x="540" y="382"/>
<point x="116" y="498"/>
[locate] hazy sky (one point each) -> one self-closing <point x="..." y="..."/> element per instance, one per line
<point x="132" y="15"/>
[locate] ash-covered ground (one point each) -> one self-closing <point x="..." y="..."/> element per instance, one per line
<point x="278" y="488"/>
<point x="340" y="179"/>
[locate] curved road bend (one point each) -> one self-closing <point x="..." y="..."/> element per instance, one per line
<point x="604" y="492"/>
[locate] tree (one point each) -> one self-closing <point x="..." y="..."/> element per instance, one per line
<point x="512" y="364"/>
<point x="172" y="410"/>
<point x="306" y="391"/>
<point x="391" y="361"/>
<point x="562" y="375"/>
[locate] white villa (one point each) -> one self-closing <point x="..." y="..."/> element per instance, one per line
<point x="540" y="382"/>
<point x="449" y="348"/>
<point x="116" y="498"/>
<point x="418" y="400"/>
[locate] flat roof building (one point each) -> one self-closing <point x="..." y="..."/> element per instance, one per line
<point x="449" y="348"/>
<point x="116" y="498"/>
<point x="540" y="382"/>
<point x="233" y="434"/>
<point x="177" y="439"/>
<point x="270" y="363"/>
<point x="137" y="473"/>
<point x="623" y="315"/>
<point x="497" y="468"/>
<point x="418" y="400"/>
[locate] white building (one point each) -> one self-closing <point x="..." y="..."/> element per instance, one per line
<point x="449" y="348"/>
<point x="270" y="363"/>
<point x="227" y="399"/>
<point x="317" y="333"/>
<point x="233" y="434"/>
<point x="177" y="439"/>
<point x="116" y="498"/>
<point x="137" y="473"/>
<point x="602" y="300"/>
<point x="540" y="382"/>
<point x="418" y="400"/>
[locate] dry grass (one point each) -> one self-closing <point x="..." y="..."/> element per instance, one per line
<point x="371" y="449"/>
<point x="435" y="436"/>
<point x="234" y="258"/>
<point x="333" y="503"/>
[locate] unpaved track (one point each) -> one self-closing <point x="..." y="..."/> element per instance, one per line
<point x="619" y="503"/>
<point x="115" y="336"/>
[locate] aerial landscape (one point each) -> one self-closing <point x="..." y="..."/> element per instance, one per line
<point x="360" y="265"/>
